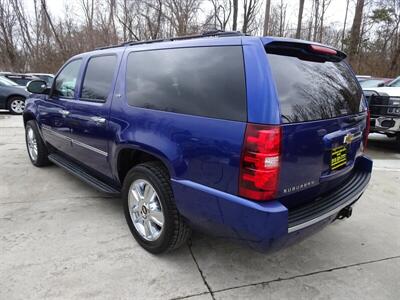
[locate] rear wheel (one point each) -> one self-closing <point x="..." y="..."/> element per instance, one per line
<point x="36" y="147"/>
<point x="150" y="209"/>
<point x="16" y="105"/>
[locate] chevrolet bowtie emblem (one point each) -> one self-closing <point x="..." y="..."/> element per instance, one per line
<point x="348" y="138"/>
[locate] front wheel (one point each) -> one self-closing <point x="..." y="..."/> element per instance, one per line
<point x="398" y="142"/>
<point x="16" y="105"/>
<point x="150" y="209"/>
<point x="36" y="147"/>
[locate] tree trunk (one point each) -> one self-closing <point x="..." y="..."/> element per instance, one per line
<point x="267" y="14"/>
<point x="316" y="20"/>
<point x="344" y="24"/>
<point x="235" y="15"/>
<point x="355" y="32"/>
<point x="321" y="25"/>
<point x="299" y="19"/>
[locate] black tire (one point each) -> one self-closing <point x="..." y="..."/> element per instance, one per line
<point x="41" y="159"/>
<point x="16" y="110"/>
<point x="398" y="142"/>
<point x="175" y="231"/>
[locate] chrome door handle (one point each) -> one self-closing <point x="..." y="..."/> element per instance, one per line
<point x="98" y="120"/>
<point x="64" y="112"/>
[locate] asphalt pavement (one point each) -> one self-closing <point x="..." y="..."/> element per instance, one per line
<point x="61" y="239"/>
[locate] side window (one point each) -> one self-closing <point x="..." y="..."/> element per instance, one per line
<point x="98" y="78"/>
<point x="65" y="82"/>
<point x="203" y="81"/>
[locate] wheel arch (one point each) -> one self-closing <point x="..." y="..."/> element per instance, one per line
<point x="127" y="157"/>
<point x="27" y="116"/>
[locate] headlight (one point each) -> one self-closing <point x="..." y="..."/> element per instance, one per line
<point x="394" y="101"/>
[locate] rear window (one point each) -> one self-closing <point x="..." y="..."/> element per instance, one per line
<point x="20" y="81"/>
<point x="203" y="81"/>
<point x="314" y="90"/>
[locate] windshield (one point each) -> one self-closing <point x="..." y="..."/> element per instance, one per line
<point x="395" y="83"/>
<point x="310" y="90"/>
<point x="371" y="83"/>
<point x="7" y="82"/>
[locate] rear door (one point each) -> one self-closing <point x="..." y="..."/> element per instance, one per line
<point x="323" y="118"/>
<point x="88" y="116"/>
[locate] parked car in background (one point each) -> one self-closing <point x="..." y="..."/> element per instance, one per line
<point x="255" y="139"/>
<point x="12" y="96"/>
<point x="44" y="76"/>
<point x="394" y="83"/>
<point x="361" y="78"/>
<point x="19" y="79"/>
<point x="384" y="106"/>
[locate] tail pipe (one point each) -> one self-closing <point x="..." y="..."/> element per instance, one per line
<point x="345" y="213"/>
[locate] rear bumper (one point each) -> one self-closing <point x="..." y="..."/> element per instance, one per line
<point x="265" y="225"/>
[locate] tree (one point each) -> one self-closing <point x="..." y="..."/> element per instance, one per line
<point x="325" y="5"/>
<point x="299" y="19"/>
<point x="355" y="31"/>
<point x="316" y="7"/>
<point x="222" y="10"/>
<point x="250" y="10"/>
<point x="235" y="14"/>
<point x="182" y="14"/>
<point x="266" y="17"/>
<point x="344" y="23"/>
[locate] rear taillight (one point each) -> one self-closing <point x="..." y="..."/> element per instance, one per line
<point x="366" y="130"/>
<point x="322" y="50"/>
<point x="260" y="162"/>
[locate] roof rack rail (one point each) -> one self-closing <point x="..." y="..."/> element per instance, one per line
<point x="213" y="33"/>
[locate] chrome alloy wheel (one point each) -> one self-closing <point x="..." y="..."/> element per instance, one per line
<point x="145" y="210"/>
<point x="17" y="106"/>
<point x="32" y="144"/>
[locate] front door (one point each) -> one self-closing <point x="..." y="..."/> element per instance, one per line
<point x="53" y="112"/>
<point x="88" y="116"/>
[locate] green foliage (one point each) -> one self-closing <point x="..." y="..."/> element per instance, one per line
<point x="382" y="15"/>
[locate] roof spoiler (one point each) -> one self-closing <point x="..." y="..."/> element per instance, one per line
<point x="305" y="51"/>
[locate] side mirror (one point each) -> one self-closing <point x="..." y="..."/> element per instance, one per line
<point x="381" y="84"/>
<point x="37" y="87"/>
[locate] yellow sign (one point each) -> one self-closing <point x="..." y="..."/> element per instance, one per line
<point x="339" y="157"/>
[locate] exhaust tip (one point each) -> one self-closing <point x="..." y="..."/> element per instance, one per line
<point x="345" y="213"/>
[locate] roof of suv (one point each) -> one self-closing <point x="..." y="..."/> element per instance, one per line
<point x="214" y="38"/>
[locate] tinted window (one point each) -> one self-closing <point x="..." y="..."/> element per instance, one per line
<point x="98" y="77"/>
<point x="310" y="90"/>
<point x="20" y="80"/>
<point x="48" y="79"/>
<point x="66" y="80"/>
<point x="198" y="81"/>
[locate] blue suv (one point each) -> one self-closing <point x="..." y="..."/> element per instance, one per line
<point x="255" y="139"/>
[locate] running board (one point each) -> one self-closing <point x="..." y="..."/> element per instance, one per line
<point x="79" y="172"/>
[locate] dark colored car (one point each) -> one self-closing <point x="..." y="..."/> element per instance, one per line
<point x="19" y="79"/>
<point x="12" y="96"/>
<point x="260" y="140"/>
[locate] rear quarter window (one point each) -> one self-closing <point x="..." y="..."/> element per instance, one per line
<point x="312" y="90"/>
<point x="203" y="81"/>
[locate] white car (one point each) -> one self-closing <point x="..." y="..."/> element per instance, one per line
<point x="384" y="106"/>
